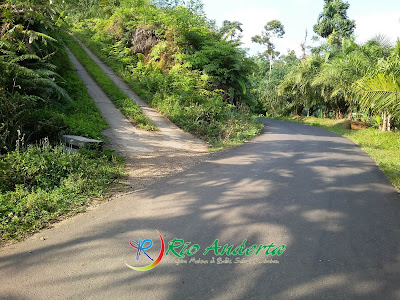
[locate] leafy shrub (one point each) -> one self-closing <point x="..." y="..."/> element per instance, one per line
<point x="193" y="90"/>
<point x="40" y="183"/>
<point x="129" y="108"/>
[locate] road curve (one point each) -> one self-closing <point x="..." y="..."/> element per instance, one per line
<point x="295" y="185"/>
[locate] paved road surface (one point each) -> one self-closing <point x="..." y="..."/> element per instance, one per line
<point x="311" y="190"/>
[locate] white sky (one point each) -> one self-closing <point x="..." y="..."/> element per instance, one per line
<point x="372" y="18"/>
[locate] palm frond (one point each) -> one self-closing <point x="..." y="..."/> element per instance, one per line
<point x="46" y="82"/>
<point x="35" y="35"/>
<point x="25" y="57"/>
<point x="380" y="93"/>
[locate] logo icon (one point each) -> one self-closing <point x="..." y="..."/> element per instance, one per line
<point x="141" y="248"/>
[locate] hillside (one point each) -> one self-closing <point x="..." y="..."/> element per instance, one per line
<point x="169" y="56"/>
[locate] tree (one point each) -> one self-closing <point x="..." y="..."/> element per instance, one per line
<point x="340" y="71"/>
<point x="264" y="84"/>
<point x="297" y="89"/>
<point x="333" y="23"/>
<point x="273" y="29"/>
<point x="227" y="66"/>
<point x="380" y="88"/>
<point x="229" y="29"/>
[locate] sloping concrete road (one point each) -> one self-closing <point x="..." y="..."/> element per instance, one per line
<point x="124" y="137"/>
<point x="301" y="186"/>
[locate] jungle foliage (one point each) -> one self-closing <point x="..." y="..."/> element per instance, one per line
<point x="41" y="97"/>
<point x="176" y="60"/>
<point x="340" y="78"/>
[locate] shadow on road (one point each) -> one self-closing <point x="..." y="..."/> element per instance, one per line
<point x="307" y="188"/>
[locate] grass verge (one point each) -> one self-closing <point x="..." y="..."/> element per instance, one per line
<point x="383" y="147"/>
<point x="41" y="183"/>
<point x="129" y="108"/>
<point x="81" y="116"/>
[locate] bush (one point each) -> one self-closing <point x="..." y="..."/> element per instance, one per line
<point x="184" y="70"/>
<point x="42" y="182"/>
<point x="127" y="106"/>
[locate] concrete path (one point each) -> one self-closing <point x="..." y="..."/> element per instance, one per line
<point x="297" y="185"/>
<point x="124" y="137"/>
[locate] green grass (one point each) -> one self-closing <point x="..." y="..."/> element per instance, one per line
<point x="41" y="183"/>
<point x="97" y="47"/>
<point x="178" y="95"/>
<point x="129" y="108"/>
<point x="383" y="147"/>
<point x="81" y="116"/>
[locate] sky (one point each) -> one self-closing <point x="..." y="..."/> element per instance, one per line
<point x="372" y="18"/>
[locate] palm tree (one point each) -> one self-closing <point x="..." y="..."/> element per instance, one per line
<point x="338" y="75"/>
<point x="380" y="88"/>
<point x="297" y="85"/>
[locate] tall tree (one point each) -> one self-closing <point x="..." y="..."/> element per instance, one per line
<point x="297" y="89"/>
<point x="229" y="29"/>
<point x="272" y="29"/>
<point x="339" y="72"/>
<point x="333" y="23"/>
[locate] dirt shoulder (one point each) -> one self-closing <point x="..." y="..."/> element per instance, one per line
<point x="146" y="169"/>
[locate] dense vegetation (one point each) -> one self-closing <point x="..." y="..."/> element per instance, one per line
<point x="173" y="59"/>
<point x="185" y="66"/>
<point x="42" y="182"/>
<point x="41" y="97"/>
<point x="340" y="78"/>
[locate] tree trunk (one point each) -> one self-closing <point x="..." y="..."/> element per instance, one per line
<point x="350" y="114"/>
<point x="270" y="68"/>
<point x="298" y="110"/>
<point x="326" y="112"/>
<point x="310" y="111"/>
<point x="339" y="114"/>
<point x="385" y="122"/>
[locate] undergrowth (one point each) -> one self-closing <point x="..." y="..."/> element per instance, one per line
<point x="181" y="95"/>
<point x="40" y="183"/>
<point x="129" y="108"/>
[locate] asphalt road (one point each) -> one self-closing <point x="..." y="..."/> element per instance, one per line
<point x="299" y="186"/>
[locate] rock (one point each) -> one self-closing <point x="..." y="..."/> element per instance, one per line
<point x="80" y="142"/>
<point x="347" y="124"/>
<point x="358" y="125"/>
